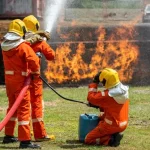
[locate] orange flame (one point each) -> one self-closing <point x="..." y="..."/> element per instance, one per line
<point x="80" y="64"/>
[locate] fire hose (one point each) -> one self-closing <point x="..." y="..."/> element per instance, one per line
<point x="16" y="104"/>
<point x="68" y="99"/>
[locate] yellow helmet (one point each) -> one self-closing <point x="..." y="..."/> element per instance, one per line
<point x="109" y="78"/>
<point x="31" y="23"/>
<point x="17" y="26"/>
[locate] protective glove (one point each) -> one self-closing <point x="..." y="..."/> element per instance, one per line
<point x="91" y="105"/>
<point x="35" y="38"/>
<point x="44" y="34"/>
<point x="39" y="54"/>
<point x="96" y="78"/>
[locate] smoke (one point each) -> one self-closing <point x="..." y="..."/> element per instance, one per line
<point x="52" y="12"/>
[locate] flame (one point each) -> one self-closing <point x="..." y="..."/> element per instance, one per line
<point x="115" y="51"/>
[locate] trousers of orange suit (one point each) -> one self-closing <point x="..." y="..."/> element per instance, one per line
<point x="101" y="135"/>
<point x="22" y="113"/>
<point x="36" y="92"/>
<point x="36" y="89"/>
<point x="17" y="62"/>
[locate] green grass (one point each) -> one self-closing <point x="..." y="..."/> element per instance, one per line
<point x="62" y="118"/>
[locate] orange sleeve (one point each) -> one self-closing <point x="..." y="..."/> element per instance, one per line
<point x="97" y="98"/>
<point x="44" y="48"/>
<point x="30" y="57"/>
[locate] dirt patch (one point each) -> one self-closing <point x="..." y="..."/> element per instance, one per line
<point x="3" y="108"/>
<point x="50" y="104"/>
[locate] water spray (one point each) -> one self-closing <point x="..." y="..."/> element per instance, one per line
<point x="52" y="11"/>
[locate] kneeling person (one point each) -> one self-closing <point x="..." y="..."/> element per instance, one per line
<point x="114" y="101"/>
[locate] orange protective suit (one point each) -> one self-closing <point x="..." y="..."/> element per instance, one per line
<point x="114" y="119"/>
<point x="36" y="90"/>
<point x="17" y="62"/>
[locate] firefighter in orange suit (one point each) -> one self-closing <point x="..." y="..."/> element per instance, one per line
<point x="114" y="101"/>
<point x="39" y="45"/>
<point x="18" y="58"/>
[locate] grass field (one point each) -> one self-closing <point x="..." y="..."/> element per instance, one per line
<point x="62" y="119"/>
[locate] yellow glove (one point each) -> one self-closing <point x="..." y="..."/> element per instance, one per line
<point x="35" y="38"/>
<point x="44" y="34"/>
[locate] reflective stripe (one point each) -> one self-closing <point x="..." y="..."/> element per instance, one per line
<point x="108" y="121"/>
<point x="98" y="141"/>
<point x="24" y="73"/>
<point x="123" y="123"/>
<point x="37" y="120"/>
<point x="36" y="72"/>
<point x="13" y="119"/>
<point x="12" y="73"/>
<point x="103" y="93"/>
<point x="9" y="72"/>
<point x="23" y="122"/>
<point x="92" y="90"/>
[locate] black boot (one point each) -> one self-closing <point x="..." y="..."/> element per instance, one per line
<point x="9" y="139"/>
<point x="115" y="139"/>
<point x="28" y="144"/>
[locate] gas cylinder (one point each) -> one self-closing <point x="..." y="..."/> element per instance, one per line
<point x="87" y="122"/>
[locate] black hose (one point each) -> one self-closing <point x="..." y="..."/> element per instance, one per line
<point x="68" y="99"/>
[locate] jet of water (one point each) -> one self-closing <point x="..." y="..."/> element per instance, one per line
<point x="51" y="13"/>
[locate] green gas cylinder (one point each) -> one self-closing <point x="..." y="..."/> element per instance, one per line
<point x="87" y="122"/>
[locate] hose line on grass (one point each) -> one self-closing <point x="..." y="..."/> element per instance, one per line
<point x="68" y="99"/>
